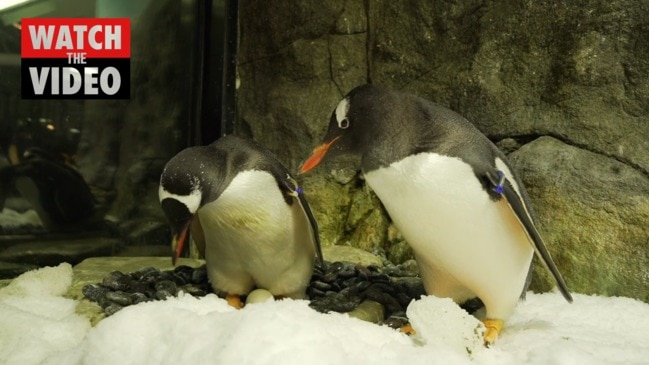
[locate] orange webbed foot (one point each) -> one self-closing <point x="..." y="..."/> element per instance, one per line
<point x="234" y="301"/>
<point x="408" y="330"/>
<point x="494" y="326"/>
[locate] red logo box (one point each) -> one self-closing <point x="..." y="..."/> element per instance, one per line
<point x="75" y="58"/>
<point x="56" y="37"/>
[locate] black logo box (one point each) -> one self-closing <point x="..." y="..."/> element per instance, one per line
<point x="123" y="66"/>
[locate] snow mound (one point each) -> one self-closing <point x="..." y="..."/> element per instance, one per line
<point x="35" y="321"/>
<point x="39" y="326"/>
<point x="442" y="322"/>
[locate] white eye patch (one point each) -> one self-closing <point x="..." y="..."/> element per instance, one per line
<point x="341" y="114"/>
<point x="191" y="201"/>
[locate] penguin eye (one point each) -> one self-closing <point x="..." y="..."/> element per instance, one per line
<point x="343" y="124"/>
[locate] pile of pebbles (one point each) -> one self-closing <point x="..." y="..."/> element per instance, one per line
<point x="343" y="286"/>
<point x="118" y="290"/>
<point x="339" y="287"/>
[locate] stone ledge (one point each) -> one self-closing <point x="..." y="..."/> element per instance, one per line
<point x="350" y="254"/>
<point x="52" y="252"/>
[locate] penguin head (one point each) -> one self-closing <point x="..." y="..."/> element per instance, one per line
<point x="356" y="120"/>
<point x="198" y="175"/>
<point x="184" y="188"/>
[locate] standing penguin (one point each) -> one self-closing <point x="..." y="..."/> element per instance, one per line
<point x="247" y="216"/>
<point x="450" y="192"/>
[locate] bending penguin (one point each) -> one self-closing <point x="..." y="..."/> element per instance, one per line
<point x="247" y="215"/>
<point x="450" y="192"/>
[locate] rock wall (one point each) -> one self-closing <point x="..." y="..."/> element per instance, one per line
<point x="561" y="86"/>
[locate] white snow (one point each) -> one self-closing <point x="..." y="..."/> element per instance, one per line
<point x="35" y="320"/>
<point x="39" y="326"/>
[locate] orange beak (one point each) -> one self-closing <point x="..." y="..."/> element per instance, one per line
<point x="317" y="156"/>
<point x="177" y="243"/>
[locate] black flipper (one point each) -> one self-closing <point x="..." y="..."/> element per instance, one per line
<point x="501" y="185"/>
<point x="297" y="192"/>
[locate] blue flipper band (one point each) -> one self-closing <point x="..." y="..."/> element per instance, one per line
<point x="501" y="181"/>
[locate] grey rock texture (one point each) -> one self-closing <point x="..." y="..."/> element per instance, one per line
<point x="593" y="213"/>
<point x="577" y="71"/>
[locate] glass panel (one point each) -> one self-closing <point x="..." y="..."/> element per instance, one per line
<point x="79" y="178"/>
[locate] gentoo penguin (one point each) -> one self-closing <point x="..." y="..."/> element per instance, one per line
<point x="54" y="188"/>
<point x="247" y="215"/>
<point x="450" y="192"/>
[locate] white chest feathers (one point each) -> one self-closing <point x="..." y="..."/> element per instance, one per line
<point x="253" y="238"/>
<point x="252" y="202"/>
<point x="465" y="243"/>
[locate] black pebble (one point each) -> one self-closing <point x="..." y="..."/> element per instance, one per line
<point x="396" y="320"/>
<point x="382" y="287"/>
<point x="180" y="279"/>
<point x="94" y="292"/>
<point x="377" y="276"/>
<point x="315" y="293"/>
<point x="347" y="272"/>
<point x="194" y="290"/>
<point x="403" y="299"/>
<point x="139" y="298"/>
<point x="119" y="297"/>
<point x="329" y="277"/>
<point x="141" y="287"/>
<point x="321" y="285"/>
<point x="167" y="285"/>
<point x="137" y="275"/>
<point x="411" y="286"/>
<point x="112" y="309"/>
<point x="362" y="285"/>
<point x="350" y="282"/>
<point x="117" y="280"/>
<point x="150" y="277"/>
<point x="336" y="302"/>
<point x="317" y="276"/>
<point x="376" y="294"/>
<point x="335" y="267"/>
<point x="163" y="294"/>
<point x="199" y="275"/>
<point x="363" y="275"/>
<point x="104" y="303"/>
<point x="472" y="305"/>
<point x="184" y="275"/>
<point x="185" y="272"/>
